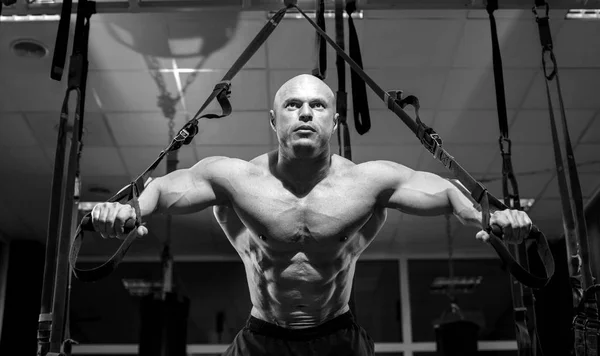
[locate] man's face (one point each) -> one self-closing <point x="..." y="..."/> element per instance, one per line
<point x="304" y="116"/>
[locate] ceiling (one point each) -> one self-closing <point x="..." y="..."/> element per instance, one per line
<point x="441" y="54"/>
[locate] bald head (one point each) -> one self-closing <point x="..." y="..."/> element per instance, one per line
<point x="300" y="84"/>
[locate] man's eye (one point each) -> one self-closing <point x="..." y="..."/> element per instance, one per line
<point x="292" y="105"/>
<point x="318" y="105"/>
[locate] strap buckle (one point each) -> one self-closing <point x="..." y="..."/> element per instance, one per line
<point x="505" y="145"/>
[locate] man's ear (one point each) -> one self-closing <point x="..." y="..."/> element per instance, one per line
<point x="272" y="119"/>
<point x="335" y="121"/>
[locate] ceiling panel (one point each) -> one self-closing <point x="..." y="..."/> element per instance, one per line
<point x="30" y="91"/>
<point x="240" y="128"/>
<point x="587" y="157"/>
<point x="101" y="161"/>
<point x="45" y="129"/>
<point x="533" y="126"/>
<point x="578" y="44"/>
<point x="120" y="42"/>
<point x="468" y="126"/>
<point x="142" y="129"/>
<point x="592" y="134"/>
<point x="518" y="38"/>
<point x="125" y="91"/>
<point x="474" y="88"/>
<point x="579" y="88"/>
<point x="398" y="46"/>
<point x="19" y="135"/>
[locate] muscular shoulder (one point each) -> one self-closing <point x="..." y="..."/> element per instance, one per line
<point x="221" y="167"/>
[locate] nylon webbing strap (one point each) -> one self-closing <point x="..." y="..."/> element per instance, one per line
<point x="586" y="325"/>
<point x="343" y="134"/>
<point x="523" y="311"/>
<point x="432" y="143"/>
<point x="320" y="53"/>
<point x="185" y="135"/>
<point x="53" y="321"/>
<point x="341" y="96"/>
<point x="360" y="103"/>
<point x="62" y="41"/>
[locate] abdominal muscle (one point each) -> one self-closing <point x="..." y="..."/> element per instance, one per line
<point x="294" y="292"/>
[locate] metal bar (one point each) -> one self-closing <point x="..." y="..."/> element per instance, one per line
<point x="21" y="8"/>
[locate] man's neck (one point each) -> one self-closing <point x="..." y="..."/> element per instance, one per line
<point x="302" y="174"/>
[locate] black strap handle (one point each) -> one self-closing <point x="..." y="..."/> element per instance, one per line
<point x="320" y="53"/>
<point x="360" y="104"/>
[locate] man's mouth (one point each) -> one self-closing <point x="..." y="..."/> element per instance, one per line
<point x="305" y="128"/>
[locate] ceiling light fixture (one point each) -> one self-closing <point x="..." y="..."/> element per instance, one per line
<point x="329" y="14"/>
<point x="29" y="18"/>
<point x="583" y="14"/>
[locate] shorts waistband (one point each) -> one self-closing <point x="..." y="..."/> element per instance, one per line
<point x="266" y="328"/>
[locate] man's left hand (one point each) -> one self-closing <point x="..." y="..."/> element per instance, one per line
<point x="515" y="225"/>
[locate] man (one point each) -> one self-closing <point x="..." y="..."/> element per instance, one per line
<point x="300" y="217"/>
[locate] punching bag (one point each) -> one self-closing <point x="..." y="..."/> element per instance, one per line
<point x="163" y="325"/>
<point x="455" y="335"/>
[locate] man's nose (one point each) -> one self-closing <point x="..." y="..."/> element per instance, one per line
<point x="306" y="112"/>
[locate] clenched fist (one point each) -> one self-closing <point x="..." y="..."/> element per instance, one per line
<point x="515" y="225"/>
<point x="109" y="218"/>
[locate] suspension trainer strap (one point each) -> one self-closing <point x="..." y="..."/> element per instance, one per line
<point x="522" y="297"/>
<point x="320" y="53"/>
<point x="343" y="134"/>
<point x="433" y="144"/>
<point x="341" y="96"/>
<point x="586" y="325"/>
<point x="62" y="41"/>
<point x="53" y="333"/>
<point x="360" y="104"/>
<point x="185" y="136"/>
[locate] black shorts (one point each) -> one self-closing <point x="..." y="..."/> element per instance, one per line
<point x="340" y="336"/>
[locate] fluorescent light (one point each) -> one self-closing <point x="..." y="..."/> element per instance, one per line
<point x="29" y="18"/>
<point x="329" y="14"/>
<point x="583" y="14"/>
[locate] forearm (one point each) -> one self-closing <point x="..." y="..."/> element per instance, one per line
<point x="149" y="199"/>
<point x="463" y="206"/>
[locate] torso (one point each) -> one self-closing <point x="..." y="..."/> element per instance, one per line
<point x="300" y="252"/>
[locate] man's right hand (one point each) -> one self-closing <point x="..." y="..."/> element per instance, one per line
<point x="109" y="218"/>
